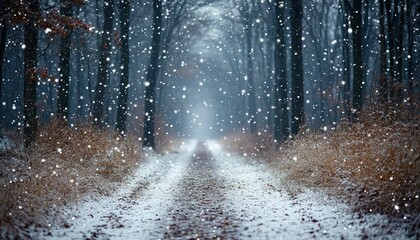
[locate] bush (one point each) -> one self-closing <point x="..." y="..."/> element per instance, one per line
<point x="249" y="145"/>
<point x="63" y="165"/>
<point x="373" y="163"/>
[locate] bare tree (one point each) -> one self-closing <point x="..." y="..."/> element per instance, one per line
<point x="383" y="82"/>
<point x="246" y="10"/>
<point x="411" y="7"/>
<point x="3" y="33"/>
<point x="65" y="50"/>
<point x="125" y="64"/>
<point x="248" y="28"/>
<point x="390" y="42"/>
<point x="102" y="83"/>
<point x="399" y="44"/>
<point x="151" y="78"/>
<point x="281" y="116"/>
<point x="357" y="57"/>
<point x="176" y="14"/>
<point x="30" y="79"/>
<point x="346" y="14"/>
<point x="297" y="66"/>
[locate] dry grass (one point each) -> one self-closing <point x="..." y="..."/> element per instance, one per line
<point x="169" y="144"/>
<point x="249" y="145"/>
<point x="375" y="163"/>
<point x="63" y="165"/>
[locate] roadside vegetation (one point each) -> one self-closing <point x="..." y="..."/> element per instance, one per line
<point x="63" y="166"/>
<point x="374" y="164"/>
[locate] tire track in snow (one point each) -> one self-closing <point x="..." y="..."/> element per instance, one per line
<point x="198" y="208"/>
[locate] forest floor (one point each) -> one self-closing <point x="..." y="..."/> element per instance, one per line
<point x="202" y="192"/>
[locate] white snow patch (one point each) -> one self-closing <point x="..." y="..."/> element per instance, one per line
<point x="121" y="217"/>
<point x="267" y="210"/>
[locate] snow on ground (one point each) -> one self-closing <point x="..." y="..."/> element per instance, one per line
<point x="204" y="192"/>
<point x="267" y="210"/>
<point x="134" y="210"/>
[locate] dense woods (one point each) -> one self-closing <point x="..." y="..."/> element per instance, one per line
<point x="285" y="64"/>
<point x="325" y="93"/>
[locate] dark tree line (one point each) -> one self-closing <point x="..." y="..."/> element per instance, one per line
<point x="151" y="78"/>
<point x="102" y="83"/>
<point x="297" y="67"/>
<point x="281" y="65"/>
<point x="29" y="70"/>
<point x="125" y="66"/>
<point x="78" y="54"/>
<point x="325" y="64"/>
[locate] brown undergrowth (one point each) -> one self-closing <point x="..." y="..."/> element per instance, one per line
<point x="249" y="145"/>
<point x="374" y="163"/>
<point x="169" y="144"/>
<point x="63" y="165"/>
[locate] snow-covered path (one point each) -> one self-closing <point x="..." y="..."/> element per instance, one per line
<point x="203" y="192"/>
<point x="265" y="209"/>
<point x="136" y="210"/>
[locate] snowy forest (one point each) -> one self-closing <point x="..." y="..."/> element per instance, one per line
<point x="179" y="113"/>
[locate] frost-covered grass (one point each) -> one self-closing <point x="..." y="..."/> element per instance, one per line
<point x="249" y="145"/>
<point x="374" y="164"/>
<point x="167" y="144"/>
<point x="63" y="166"/>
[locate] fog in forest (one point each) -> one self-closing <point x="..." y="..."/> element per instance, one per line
<point x="209" y="119"/>
<point x="221" y="64"/>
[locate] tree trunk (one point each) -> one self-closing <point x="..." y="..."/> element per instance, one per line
<point x="346" y="59"/>
<point x="383" y="82"/>
<point x="125" y="64"/>
<point x="151" y="77"/>
<point x="357" y="58"/>
<point x="390" y="41"/>
<point x="399" y="62"/>
<point x="252" y="109"/>
<point x="81" y="78"/>
<point x="64" y="82"/>
<point x="3" y="32"/>
<point x="103" y="71"/>
<point x="81" y="82"/>
<point x="297" y="66"/>
<point x="30" y="79"/>
<point x="281" y="114"/>
<point x="366" y="28"/>
<point x="89" y="95"/>
<point x="410" y="50"/>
